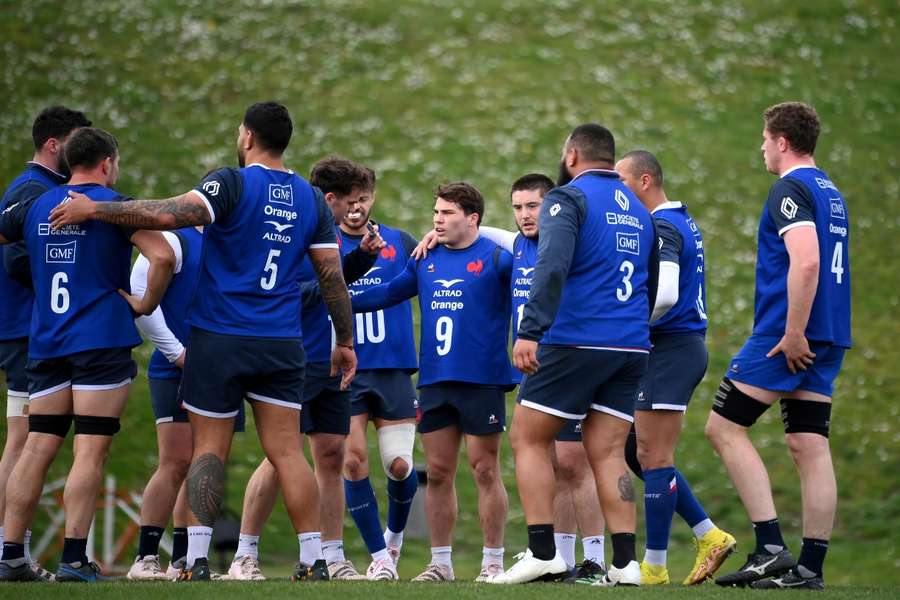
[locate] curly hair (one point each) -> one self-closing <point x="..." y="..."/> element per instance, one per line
<point x="798" y="122"/>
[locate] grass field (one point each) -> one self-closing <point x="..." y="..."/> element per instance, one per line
<point x="389" y="591"/>
<point x="427" y="92"/>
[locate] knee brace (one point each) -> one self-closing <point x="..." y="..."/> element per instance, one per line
<point x="397" y="441"/>
<point x="57" y="425"/>
<point x="805" y="416"/>
<point x="88" y="425"/>
<point x="736" y="406"/>
<point x="16" y="404"/>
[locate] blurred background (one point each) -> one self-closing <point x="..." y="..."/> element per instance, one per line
<point x="485" y="91"/>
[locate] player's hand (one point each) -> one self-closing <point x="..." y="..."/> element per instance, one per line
<point x="795" y="348"/>
<point x="429" y="241"/>
<point x="77" y="208"/>
<point x="525" y="356"/>
<point x="343" y="361"/>
<point x="179" y="362"/>
<point x="372" y="244"/>
<point x="137" y="303"/>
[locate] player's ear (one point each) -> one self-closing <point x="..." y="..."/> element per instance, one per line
<point x="571" y="156"/>
<point x="249" y="140"/>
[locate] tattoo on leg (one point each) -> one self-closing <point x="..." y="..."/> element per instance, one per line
<point x="206" y="488"/>
<point x="626" y="488"/>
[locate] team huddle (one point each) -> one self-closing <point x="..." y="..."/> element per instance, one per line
<point x="261" y="285"/>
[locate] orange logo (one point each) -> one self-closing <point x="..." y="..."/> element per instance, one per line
<point x="476" y="266"/>
<point x="389" y="253"/>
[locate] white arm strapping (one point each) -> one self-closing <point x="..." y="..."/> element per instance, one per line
<point x="153" y="326"/>
<point x="503" y="238"/>
<point x="667" y="292"/>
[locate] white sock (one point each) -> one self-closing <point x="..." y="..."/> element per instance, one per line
<point x="333" y="551"/>
<point x="655" y="557"/>
<point x="28" y="546"/>
<point x="702" y="528"/>
<point x="442" y="555"/>
<point x="248" y="545"/>
<point x="311" y="547"/>
<point x="382" y="554"/>
<point x="593" y="548"/>
<point x="199" y="538"/>
<point x="565" y="545"/>
<point x="393" y="538"/>
<point x="491" y="556"/>
<point x="1" y="543"/>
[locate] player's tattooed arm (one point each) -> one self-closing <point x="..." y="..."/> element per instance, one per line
<point x="206" y="488"/>
<point x="327" y="263"/>
<point x="626" y="488"/>
<point x="172" y="213"/>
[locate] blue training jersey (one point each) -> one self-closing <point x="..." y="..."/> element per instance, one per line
<point x="805" y="196"/>
<point x="524" y="259"/>
<point x="680" y="242"/>
<point x="17" y="299"/>
<point x="384" y="338"/>
<point x="264" y="221"/>
<point x="590" y="285"/>
<point x="464" y="303"/>
<point x="77" y="273"/>
<point x="177" y="299"/>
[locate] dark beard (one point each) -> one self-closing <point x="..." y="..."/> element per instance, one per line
<point x="63" y="168"/>
<point x="241" y="159"/>
<point x="564" y="176"/>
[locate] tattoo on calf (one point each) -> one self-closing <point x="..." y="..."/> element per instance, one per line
<point x="206" y="488"/>
<point x="626" y="488"/>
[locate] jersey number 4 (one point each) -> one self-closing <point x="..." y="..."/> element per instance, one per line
<point x="837" y="262"/>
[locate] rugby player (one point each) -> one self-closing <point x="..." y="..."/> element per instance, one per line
<point x="326" y="404"/>
<point x="45" y="170"/>
<point x="584" y="329"/>
<point x="245" y="338"/>
<point x="801" y="329"/>
<point x="677" y="364"/>
<point x="82" y="332"/>
<point x="382" y="392"/>
<point x="464" y="370"/>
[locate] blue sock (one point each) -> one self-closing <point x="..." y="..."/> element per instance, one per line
<point x="400" y="497"/>
<point x="363" y="508"/>
<point x="660" y="496"/>
<point x="687" y="506"/>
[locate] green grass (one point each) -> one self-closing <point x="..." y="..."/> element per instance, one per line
<point x="427" y="92"/>
<point x="387" y="591"/>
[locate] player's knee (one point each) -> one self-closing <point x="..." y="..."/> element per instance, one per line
<point x="330" y="457"/>
<point x="176" y="467"/>
<point x="734" y="406"/>
<point x="356" y="465"/>
<point x="569" y="471"/>
<point x="440" y="474"/>
<point x="805" y="416"/>
<point x="395" y="444"/>
<point x="485" y="472"/>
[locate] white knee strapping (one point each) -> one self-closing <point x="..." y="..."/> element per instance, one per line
<point x="16" y="404"/>
<point x="397" y="441"/>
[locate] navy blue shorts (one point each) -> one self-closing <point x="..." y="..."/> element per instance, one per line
<point x="326" y="409"/>
<point x="572" y="381"/>
<point x="167" y="408"/>
<point x="571" y="431"/>
<point x="221" y="370"/>
<point x="474" y="409"/>
<point x="97" y="370"/>
<point x="751" y="366"/>
<point x="383" y="394"/>
<point x="676" y="366"/>
<point x="13" y="361"/>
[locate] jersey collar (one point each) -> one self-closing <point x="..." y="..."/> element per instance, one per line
<point x="795" y="168"/>
<point x="59" y="176"/>
<point x="268" y="168"/>
<point x="668" y="204"/>
<point x="601" y="172"/>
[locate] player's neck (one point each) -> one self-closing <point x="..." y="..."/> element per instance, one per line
<point x="94" y="176"/>
<point x="354" y="231"/>
<point x="265" y="159"/>
<point x="792" y="161"/>
<point x="48" y="162"/>
<point x="465" y="242"/>
<point x="655" y="198"/>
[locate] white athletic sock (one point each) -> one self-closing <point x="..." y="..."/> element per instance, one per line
<point x="393" y="538"/>
<point x="248" y="545"/>
<point x="311" y="547"/>
<point x="333" y="551"/>
<point x="703" y="527"/>
<point x="491" y="556"/>
<point x="199" y="538"/>
<point x="593" y="548"/>
<point x="442" y="555"/>
<point x="655" y="557"/>
<point x="382" y="554"/>
<point x="565" y="545"/>
<point x="28" y="546"/>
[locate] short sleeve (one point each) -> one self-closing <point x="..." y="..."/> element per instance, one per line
<point x="670" y="242"/>
<point x="12" y="220"/>
<point x="221" y="191"/>
<point x="790" y="205"/>
<point x="324" y="235"/>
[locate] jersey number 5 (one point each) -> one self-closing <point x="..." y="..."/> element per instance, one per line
<point x="268" y="282"/>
